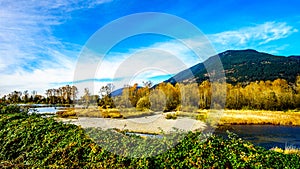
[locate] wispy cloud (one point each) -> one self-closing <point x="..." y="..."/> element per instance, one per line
<point x="252" y="37"/>
<point x="29" y="52"/>
<point x="32" y="57"/>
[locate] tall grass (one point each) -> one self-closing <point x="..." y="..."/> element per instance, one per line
<point x="287" y="150"/>
<point x="104" y="113"/>
<point x="260" y="117"/>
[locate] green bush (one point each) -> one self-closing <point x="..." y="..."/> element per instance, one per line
<point x="30" y="141"/>
<point x="10" y="109"/>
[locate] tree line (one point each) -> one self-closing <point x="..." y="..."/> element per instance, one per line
<point x="22" y="97"/>
<point x="261" y="95"/>
<point x="62" y="95"/>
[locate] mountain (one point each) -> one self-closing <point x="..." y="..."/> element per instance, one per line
<point x="295" y="57"/>
<point x="244" y="66"/>
<point x="119" y="92"/>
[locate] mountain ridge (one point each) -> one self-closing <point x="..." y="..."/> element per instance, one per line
<point x="244" y="66"/>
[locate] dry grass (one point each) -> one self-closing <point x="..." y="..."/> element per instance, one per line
<point x="201" y="115"/>
<point x="110" y="113"/>
<point x="218" y="117"/>
<point x="260" y="117"/>
<point x="209" y="116"/>
<point x="134" y="113"/>
<point x="187" y="114"/>
<point x="287" y="150"/>
<point x="103" y="113"/>
<point x="98" y="112"/>
<point x="67" y="113"/>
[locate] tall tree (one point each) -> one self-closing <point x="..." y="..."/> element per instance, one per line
<point x="86" y="97"/>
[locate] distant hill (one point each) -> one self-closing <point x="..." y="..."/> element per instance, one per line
<point x="245" y="66"/>
<point x="119" y="92"/>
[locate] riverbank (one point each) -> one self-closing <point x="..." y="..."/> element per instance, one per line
<point x="155" y="122"/>
<point x="148" y="124"/>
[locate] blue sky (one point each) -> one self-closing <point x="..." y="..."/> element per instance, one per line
<point x="40" y="41"/>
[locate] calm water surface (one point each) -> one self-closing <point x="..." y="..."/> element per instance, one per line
<point x="267" y="136"/>
<point x="48" y="110"/>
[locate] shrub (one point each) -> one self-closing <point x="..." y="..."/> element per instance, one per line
<point x="201" y="117"/>
<point x="111" y="113"/>
<point x="10" y="109"/>
<point x="172" y="116"/>
<point x="143" y="103"/>
<point x="66" y="113"/>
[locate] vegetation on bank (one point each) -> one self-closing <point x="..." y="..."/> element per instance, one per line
<point x="28" y="141"/>
<point x="287" y="150"/>
<point x="103" y="113"/>
<point x="233" y="117"/>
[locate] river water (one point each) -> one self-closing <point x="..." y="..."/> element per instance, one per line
<point x="43" y="110"/>
<point x="267" y="136"/>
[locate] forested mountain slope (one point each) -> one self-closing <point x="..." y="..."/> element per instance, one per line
<point x="245" y="66"/>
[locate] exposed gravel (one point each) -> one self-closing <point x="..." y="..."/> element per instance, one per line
<point x="148" y="124"/>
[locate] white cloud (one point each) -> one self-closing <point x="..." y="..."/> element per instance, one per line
<point x="31" y="57"/>
<point x="251" y="37"/>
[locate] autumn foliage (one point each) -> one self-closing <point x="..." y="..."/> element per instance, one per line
<point x="259" y="95"/>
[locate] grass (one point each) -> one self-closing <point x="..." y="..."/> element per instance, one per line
<point x="287" y="150"/>
<point x="67" y="113"/>
<point x="103" y="113"/>
<point x="260" y="117"/>
<point x="132" y="113"/>
<point x="98" y="112"/>
<point x="291" y="117"/>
